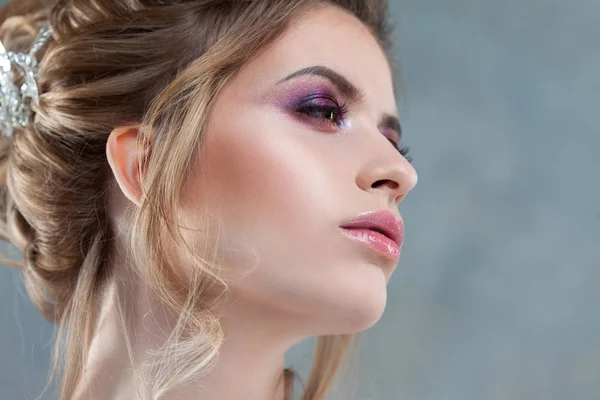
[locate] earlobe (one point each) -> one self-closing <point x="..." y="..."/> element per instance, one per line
<point x="123" y="154"/>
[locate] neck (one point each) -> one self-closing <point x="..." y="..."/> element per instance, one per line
<point x="249" y="364"/>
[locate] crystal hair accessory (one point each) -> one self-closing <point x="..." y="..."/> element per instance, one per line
<point x="15" y="111"/>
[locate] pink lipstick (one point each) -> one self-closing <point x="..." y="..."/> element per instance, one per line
<point x="380" y="230"/>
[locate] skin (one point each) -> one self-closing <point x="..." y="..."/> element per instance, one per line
<point x="282" y="184"/>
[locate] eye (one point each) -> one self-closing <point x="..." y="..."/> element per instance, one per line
<point x="318" y="108"/>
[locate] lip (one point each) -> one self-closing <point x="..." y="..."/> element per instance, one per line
<point x="381" y="230"/>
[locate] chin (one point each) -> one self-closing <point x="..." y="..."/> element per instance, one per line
<point x="360" y="301"/>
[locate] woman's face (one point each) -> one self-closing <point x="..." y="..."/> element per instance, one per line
<point x="283" y="175"/>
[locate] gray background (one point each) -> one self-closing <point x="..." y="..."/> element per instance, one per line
<point x="497" y="292"/>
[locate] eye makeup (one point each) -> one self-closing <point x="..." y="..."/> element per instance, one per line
<point x="319" y="103"/>
<point x="315" y="103"/>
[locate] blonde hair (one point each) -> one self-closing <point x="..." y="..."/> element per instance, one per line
<point x="118" y="62"/>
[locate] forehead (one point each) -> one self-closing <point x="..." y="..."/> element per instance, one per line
<point x="331" y="37"/>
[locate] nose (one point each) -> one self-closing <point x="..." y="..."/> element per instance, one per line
<point x="386" y="172"/>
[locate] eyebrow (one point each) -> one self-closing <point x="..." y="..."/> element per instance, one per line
<point x="343" y="84"/>
<point x="347" y="88"/>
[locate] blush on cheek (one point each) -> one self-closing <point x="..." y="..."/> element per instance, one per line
<point x="246" y="166"/>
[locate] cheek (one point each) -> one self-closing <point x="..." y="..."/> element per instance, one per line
<point x="255" y="177"/>
<point x="258" y="176"/>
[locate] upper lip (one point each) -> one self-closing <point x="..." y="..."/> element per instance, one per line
<point x="383" y="220"/>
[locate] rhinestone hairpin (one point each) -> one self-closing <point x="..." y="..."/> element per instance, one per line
<point x="15" y="111"/>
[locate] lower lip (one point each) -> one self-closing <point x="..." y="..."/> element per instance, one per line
<point x="375" y="240"/>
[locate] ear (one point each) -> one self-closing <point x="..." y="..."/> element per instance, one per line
<point x="123" y="154"/>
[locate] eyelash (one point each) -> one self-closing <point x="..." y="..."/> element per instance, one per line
<point x="342" y="111"/>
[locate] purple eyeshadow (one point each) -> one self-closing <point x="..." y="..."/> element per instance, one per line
<point x="306" y="94"/>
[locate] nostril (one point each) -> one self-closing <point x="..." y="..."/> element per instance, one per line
<point x="385" y="182"/>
